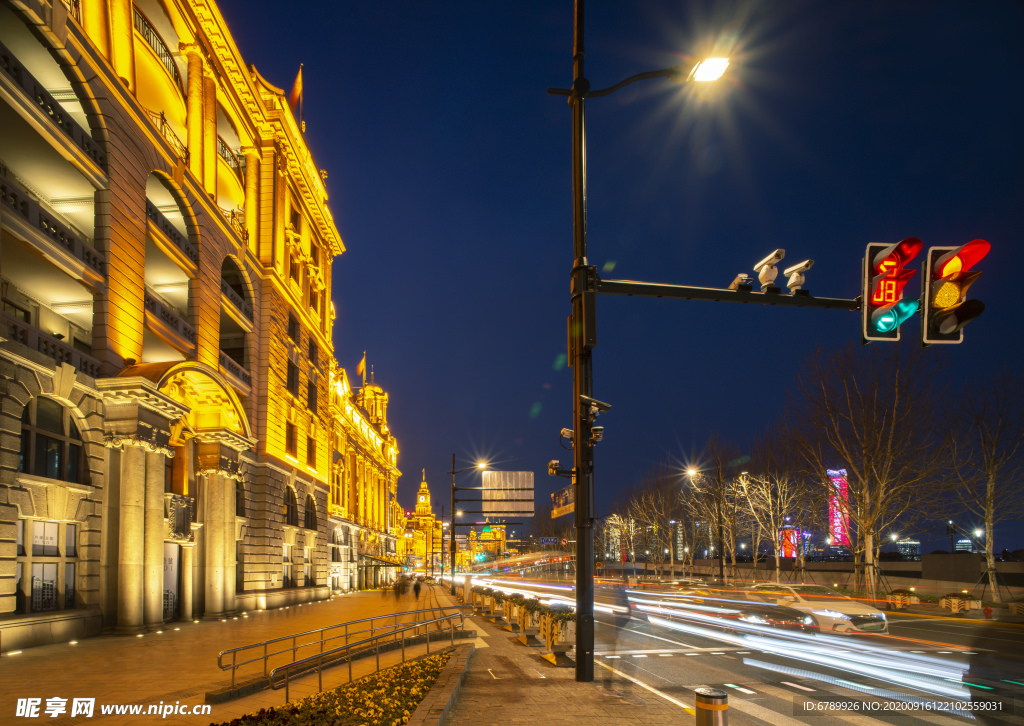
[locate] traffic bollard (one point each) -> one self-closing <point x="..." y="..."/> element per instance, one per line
<point x="712" y="707"/>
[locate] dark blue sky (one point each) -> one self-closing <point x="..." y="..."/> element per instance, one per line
<point x="840" y="124"/>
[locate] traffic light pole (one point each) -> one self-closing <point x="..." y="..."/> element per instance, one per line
<point x="581" y="339"/>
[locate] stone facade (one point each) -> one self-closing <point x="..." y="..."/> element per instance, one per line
<point x="177" y="440"/>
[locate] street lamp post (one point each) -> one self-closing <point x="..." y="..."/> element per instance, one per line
<point x="583" y="331"/>
<point x="451" y="543"/>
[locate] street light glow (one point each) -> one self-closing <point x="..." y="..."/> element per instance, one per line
<point x="710" y="69"/>
<point x="691" y="472"/>
<point x="977" y="533"/>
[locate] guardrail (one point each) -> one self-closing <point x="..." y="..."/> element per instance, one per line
<point x="344" y="652"/>
<point x="337" y="653"/>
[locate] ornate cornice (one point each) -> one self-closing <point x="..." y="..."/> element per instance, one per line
<point x="236" y="475"/>
<point x="119" y="441"/>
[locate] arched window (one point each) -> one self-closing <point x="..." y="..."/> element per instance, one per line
<point x="50" y="443"/>
<point x="291" y="507"/>
<point x="239" y="499"/>
<point x="310" y="513"/>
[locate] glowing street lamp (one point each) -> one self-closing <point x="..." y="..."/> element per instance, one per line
<point x="710" y="69"/>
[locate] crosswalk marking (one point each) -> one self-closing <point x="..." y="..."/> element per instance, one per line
<point x="797" y="685"/>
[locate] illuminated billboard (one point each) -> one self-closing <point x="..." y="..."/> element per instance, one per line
<point x="838" y="504"/>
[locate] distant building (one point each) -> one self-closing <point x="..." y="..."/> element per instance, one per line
<point x="964" y="545"/>
<point x="909" y="547"/>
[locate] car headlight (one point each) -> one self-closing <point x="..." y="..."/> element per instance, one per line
<point x="753" y="619"/>
<point x="808" y="620"/>
<point x="832" y="614"/>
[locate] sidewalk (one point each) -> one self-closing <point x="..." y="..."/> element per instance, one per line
<point x="180" y="665"/>
<point x="509" y="684"/>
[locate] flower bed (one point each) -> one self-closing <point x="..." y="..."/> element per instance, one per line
<point x="387" y="698"/>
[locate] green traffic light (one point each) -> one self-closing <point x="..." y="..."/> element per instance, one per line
<point x="895" y="316"/>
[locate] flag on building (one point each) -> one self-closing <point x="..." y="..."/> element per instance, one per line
<point x="361" y="368"/>
<point x="295" y="97"/>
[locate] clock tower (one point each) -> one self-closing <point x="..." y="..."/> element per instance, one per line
<point x="423" y="498"/>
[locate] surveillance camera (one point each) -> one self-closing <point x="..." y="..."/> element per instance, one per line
<point x="767" y="271"/>
<point x="596" y="407"/>
<point x="742" y="281"/>
<point x="796" y="277"/>
<point x="797" y="269"/>
<point x="553" y="466"/>
<point x="596" y="433"/>
<point x="770" y="260"/>
<point x="567" y="433"/>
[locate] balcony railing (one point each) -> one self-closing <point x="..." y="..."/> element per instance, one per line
<point x="160" y="120"/>
<point x="32" y="212"/>
<point x="229" y="156"/>
<point x="162" y="223"/>
<point x="234" y="369"/>
<point x="235" y="220"/>
<point x="22" y="332"/>
<point x="236" y="299"/>
<point x="49" y="106"/>
<point x="74" y="9"/>
<point x="159" y="47"/>
<point x="169" y="316"/>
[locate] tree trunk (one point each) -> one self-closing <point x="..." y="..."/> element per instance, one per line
<point x="990" y="550"/>
<point x="869" y="563"/>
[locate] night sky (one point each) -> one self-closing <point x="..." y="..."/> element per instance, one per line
<point x="838" y="124"/>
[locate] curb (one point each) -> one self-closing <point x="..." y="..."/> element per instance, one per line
<point x="259" y="683"/>
<point x="438" y="702"/>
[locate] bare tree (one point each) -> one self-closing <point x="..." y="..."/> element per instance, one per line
<point x="771" y="491"/>
<point x="987" y="457"/>
<point x="874" y="412"/>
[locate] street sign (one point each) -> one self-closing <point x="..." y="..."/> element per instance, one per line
<point x="565" y="541"/>
<point x="563" y="502"/>
<point x="545" y="541"/>
<point x="507" y="493"/>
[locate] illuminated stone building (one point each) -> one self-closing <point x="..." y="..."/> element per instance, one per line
<point x="171" y="417"/>
<point x="425" y="530"/>
<point x="366" y="520"/>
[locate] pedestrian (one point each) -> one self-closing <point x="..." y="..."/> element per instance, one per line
<point x="416" y="590"/>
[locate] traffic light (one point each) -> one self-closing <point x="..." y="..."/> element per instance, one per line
<point x="885" y="274"/>
<point x="948" y="274"/>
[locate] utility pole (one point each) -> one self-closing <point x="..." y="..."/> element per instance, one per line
<point x="442" y="544"/>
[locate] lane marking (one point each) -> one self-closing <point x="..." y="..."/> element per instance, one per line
<point x="652" y="689"/>
<point x="639" y="655"/>
<point x="647" y="635"/>
<point x="613" y="656"/>
<point x="693" y="654"/>
<point x="664" y="655"/>
<point x="797" y="685"/>
<point x="739" y="688"/>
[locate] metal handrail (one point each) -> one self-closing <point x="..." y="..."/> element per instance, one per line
<point x="234" y="665"/>
<point x="335" y="654"/>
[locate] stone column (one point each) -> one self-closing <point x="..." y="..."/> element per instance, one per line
<point x="96" y="25"/>
<point x="195" y="108"/>
<point x="210" y="135"/>
<point x="153" y="599"/>
<point x="230" y="556"/>
<point x="130" y="546"/>
<point x="186" y="579"/>
<point x="122" y="41"/>
<point x="215" y="541"/>
<point x="252" y="196"/>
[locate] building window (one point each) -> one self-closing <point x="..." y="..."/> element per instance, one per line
<point x="290" y="444"/>
<point x="286" y="567"/>
<point x="291" y="508"/>
<point x="310" y="513"/>
<point x="293" y="328"/>
<point x="311" y="395"/>
<point x="314" y="352"/>
<point x="51" y="446"/>
<point x="49" y="564"/>
<point x="292" y="382"/>
<point x="239" y="567"/>
<point x="296" y="220"/>
<point x="311" y="452"/>
<point x="308" y="567"/>
<point x="18" y="312"/>
<point x="239" y="499"/>
<point x="314" y="300"/>
<point x="295" y="270"/>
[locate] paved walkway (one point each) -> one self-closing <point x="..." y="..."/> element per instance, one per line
<point x="180" y="665"/>
<point x="509" y="684"/>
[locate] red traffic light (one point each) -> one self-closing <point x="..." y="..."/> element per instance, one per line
<point x="961" y="259"/>
<point x="885" y="274"/>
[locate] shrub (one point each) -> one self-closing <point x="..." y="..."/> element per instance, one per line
<point x="387" y="698"/>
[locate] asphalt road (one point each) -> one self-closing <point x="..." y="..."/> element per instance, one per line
<point x="924" y="671"/>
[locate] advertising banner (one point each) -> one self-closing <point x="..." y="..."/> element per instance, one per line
<point x="507" y="493"/>
<point x="838" y="502"/>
